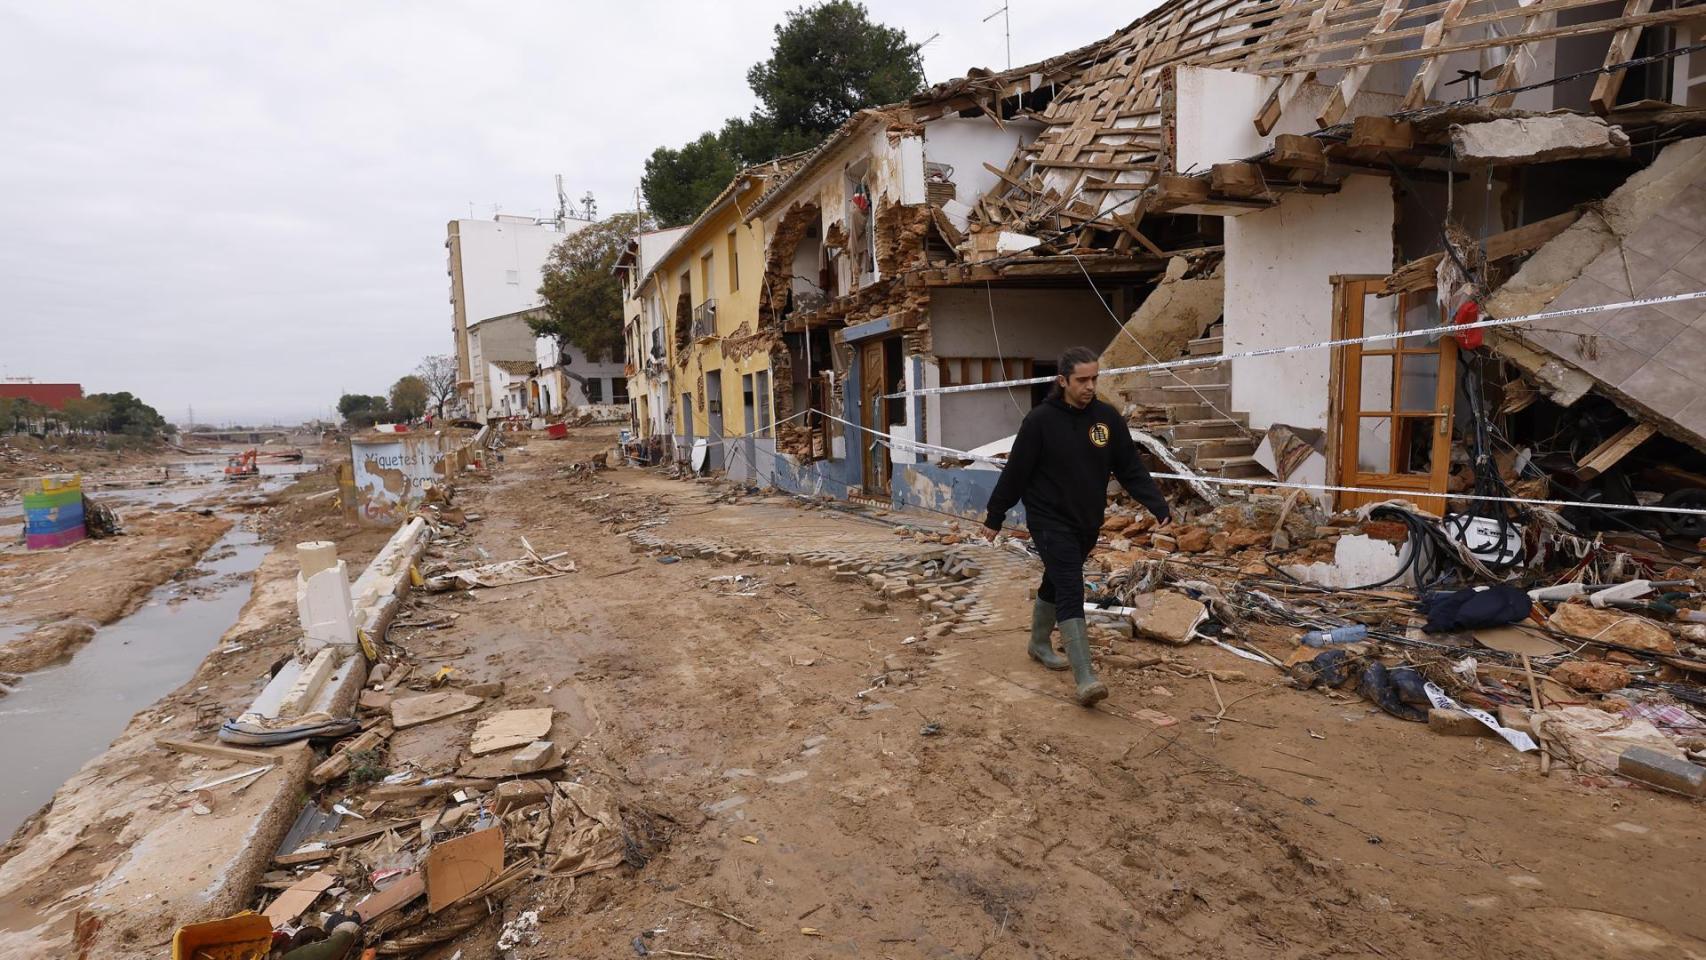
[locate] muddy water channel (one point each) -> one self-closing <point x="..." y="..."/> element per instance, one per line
<point x="60" y="717"/>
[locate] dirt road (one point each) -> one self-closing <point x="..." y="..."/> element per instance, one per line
<point x="831" y="824"/>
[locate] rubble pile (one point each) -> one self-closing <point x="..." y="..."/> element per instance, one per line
<point x="1596" y="663"/>
<point x="449" y="798"/>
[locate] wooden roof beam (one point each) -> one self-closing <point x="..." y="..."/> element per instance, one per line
<point x="1519" y="59"/>
<point x="1334" y="110"/>
<point x="1268" y="116"/>
<point x="1622" y="48"/>
<point x="1421" y="87"/>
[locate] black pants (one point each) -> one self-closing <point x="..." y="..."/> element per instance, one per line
<point x="1062" y="551"/>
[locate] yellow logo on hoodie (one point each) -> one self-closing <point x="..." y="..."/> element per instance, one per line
<point x="1099" y="434"/>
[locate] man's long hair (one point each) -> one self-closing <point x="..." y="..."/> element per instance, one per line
<point x="1069" y="361"/>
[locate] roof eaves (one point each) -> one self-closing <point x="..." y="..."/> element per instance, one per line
<point x="782" y="168"/>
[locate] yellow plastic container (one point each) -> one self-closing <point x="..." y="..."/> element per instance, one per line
<point x="246" y="936"/>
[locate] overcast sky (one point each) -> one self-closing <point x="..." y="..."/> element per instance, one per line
<point x="240" y="206"/>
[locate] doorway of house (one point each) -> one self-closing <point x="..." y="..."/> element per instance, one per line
<point x="1395" y="408"/>
<point x="714" y="418"/>
<point x="880" y="374"/>
<point x="687" y="424"/>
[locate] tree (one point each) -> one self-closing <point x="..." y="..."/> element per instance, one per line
<point x="409" y="397"/>
<point x="680" y="183"/>
<point x="20" y="414"/>
<point x="128" y="415"/>
<point x="87" y="414"/>
<point x="830" y="61"/>
<point x="438" y="372"/>
<point x="361" y="410"/>
<point x="583" y="298"/>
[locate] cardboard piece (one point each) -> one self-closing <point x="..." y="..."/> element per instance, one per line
<point x="414" y="711"/>
<point x="457" y="867"/>
<point x="400" y="893"/>
<point x="509" y="730"/>
<point x="1518" y="640"/>
<point x="299" y="897"/>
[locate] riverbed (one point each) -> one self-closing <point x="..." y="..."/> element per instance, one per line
<point x="61" y="716"/>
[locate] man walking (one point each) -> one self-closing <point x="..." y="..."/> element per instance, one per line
<point x="1061" y="460"/>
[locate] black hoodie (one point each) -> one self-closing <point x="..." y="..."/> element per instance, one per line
<point x="1060" y="465"/>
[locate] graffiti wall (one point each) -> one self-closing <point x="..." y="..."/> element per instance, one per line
<point x="391" y="473"/>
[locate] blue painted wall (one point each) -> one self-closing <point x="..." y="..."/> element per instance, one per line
<point x="955" y="490"/>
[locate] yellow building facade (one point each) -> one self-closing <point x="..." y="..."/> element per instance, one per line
<point x="720" y="365"/>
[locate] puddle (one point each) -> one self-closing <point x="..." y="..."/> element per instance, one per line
<point x="59" y="718"/>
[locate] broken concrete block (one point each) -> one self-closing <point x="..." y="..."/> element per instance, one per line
<point x="874" y="606"/>
<point x="1456" y="723"/>
<point x="323" y="601"/>
<point x="1193" y="540"/>
<point x="485" y="690"/>
<point x="1662" y="772"/>
<point x="1537" y="139"/>
<point x="536" y="756"/>
<point x="1513" y="717"/>
<point x="512" y="794"/>
<point x="1591" y="676"/>
<point x="301" y="695"/>
<point x="1168" y="617"/>
<point x="1613" y="626"/>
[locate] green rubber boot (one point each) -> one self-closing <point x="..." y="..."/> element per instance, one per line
<point x="1090" y="690"/>
<point x="1042" y="624"/>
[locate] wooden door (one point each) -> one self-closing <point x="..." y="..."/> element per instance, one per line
<point x="1397" y="395"/>
<point x="873" y="416"/>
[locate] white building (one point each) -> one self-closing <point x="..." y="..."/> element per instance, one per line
<point x="500" y="349"/>
<point x="495" y="269"/>
<point x="567" y="379"/>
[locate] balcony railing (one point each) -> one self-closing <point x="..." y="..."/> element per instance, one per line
<point x="705" y="320"/>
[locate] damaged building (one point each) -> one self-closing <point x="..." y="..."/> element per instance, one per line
<point x="1234" y="179"/>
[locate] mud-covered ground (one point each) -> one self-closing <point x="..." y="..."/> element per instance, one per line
<point x="832" y="825"/>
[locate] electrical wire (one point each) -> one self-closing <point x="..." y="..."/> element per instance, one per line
<point x="989" y="291"/>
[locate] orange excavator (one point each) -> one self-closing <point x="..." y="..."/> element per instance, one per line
<point x="242" y="466"/>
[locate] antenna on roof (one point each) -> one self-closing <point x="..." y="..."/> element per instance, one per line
<point x="1006" y="27"/>
<point x="562" y="202"/>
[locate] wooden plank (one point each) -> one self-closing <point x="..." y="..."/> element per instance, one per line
<point x="1419" y="274"/>
<point x="400" y="893"/>
<point x="1298" y="152"/>
<point x="1243" y="180"/>
<point x="1622" y="48"/>
<point x="1011" y="180"/>
<point x="1554" y="33"/>
<point x="1606" y="455"/>
<point x="1173" y="191"/>
<point x="1128" y="224"/>
<point x="1349" y="85"/>
<point x="339" y="763"/>
<point x="216" y="751"/>
<point x="1518" y="58"/>
<point x="1375" y="133"/>
<point x="299" y="897"/>
<point x="1421" y="87"/>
